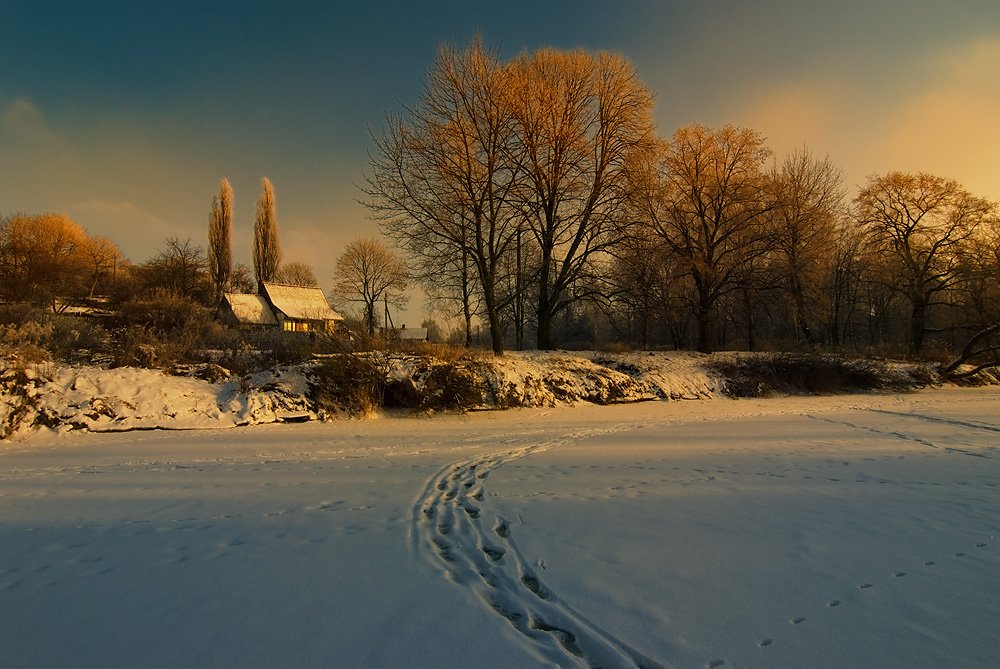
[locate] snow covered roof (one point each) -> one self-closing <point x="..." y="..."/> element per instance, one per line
<point x="301" y="302"/>
<point x="412" y="334"/>
<point x="251" y="309"/>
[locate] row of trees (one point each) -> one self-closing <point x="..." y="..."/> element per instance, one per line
<point x="46" y="257"/>
<point x="535" y="193"/>
<point x="50" y="260"/>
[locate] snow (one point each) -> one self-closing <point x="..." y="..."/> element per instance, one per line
<point x="302" y="302"/>
<point x="251" y="309"/>
<point x="811" y="531"/>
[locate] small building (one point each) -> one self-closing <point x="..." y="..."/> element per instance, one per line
<point x="276" y="305"/>
<point x="412" y="334"/>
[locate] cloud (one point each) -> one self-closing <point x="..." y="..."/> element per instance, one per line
<point x="35" y="158"/>
<point x="23" y="118"/>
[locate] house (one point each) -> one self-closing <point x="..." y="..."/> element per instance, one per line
<point x="411" y="334"/>
<point x="276" y="305"/>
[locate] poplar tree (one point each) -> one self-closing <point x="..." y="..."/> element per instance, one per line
<point x="266" y="249"/>
<point x="220" y="234"/>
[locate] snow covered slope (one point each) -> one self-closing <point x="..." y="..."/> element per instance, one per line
<point x="100" y="400"/>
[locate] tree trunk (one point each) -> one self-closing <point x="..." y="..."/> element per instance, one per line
<point x="704" y="330"/>
<point x="799" y="303"/>
<point x="918" y="316"/>
<point x="544" y="336"/>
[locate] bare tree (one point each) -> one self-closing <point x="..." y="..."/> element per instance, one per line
<point x="103" y="257"/>
<point x="368" y="273"/>
<point x="241" y="280"/>
<point x="580" y="118"/>
<point x="296" y="274"/>
<point x="919" y="223"/>
<point x="266" y="248"/>
<point x="448" y="277"/>
<point x="706" y="196"/>
<point x="179" y="268"/>
<point x="980" y="296"/>
<point x="842" y="286"/>
<point x="441" y="177"/>
<point x="804" y="224"/>
<point x="220" y="233"/>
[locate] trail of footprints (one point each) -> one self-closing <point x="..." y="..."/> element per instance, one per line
<point x="834" y="603"/>
<point x="477" y="550"/>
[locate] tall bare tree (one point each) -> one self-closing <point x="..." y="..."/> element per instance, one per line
<point x="220" y="233"/>
<point x="441" y="176"/>
<point x="368" y="273"/>
<point x="919" y="222"/>
<point x="706" y="196"/>
<point x="266" y="247"/>
<point x="810" y="204"/>
<point x="580" y="118"/>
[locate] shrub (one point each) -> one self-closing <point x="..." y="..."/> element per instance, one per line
<point x="767" y="374"/>
<point x="349" y="383"/>
<point x="452" y="385"/>
<point x="164" y="311"/>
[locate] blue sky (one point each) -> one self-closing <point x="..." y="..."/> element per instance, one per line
<point x="126" y="115"/>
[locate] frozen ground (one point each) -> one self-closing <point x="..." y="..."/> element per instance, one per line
<point x="852" y="531"/>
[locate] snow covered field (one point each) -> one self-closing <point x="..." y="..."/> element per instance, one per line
<point x="850" y="531"/>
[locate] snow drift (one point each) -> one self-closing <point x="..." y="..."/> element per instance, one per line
<point x="66" y="397"/>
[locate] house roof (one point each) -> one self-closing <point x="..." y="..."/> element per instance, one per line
<point x="251" y="309"/>
<point x="413" y="334"/>
<point x="301" y="302"/>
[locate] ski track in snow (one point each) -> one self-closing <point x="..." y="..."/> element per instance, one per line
<point x="477" y="550"/>
<point x="909" y="437"/>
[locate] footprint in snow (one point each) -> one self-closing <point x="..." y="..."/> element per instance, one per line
<point x="494" y="554"/>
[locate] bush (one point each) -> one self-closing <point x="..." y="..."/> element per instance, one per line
<point x="41" y="335"/>
<point x="164" y="311"/>
<point x="349" y="383"/>
<point x="452" y="386"/>
<point x="762" y="375"/>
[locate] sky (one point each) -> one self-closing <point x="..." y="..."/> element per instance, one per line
<point x="126" y="115"/>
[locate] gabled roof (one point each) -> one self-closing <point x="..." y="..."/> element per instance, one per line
<point x="301" y="302"/>
<point x="413" y="334"/>
<point x="251" y="309"/>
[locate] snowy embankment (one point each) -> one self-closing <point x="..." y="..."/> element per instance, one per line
<point x="109" y="400"/>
